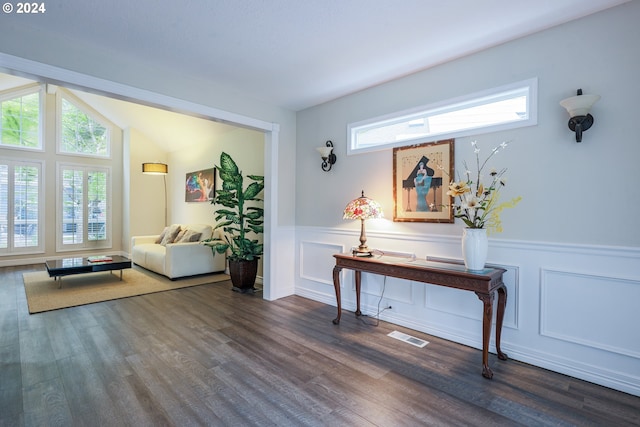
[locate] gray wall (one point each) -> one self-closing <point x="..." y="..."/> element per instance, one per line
<point x="580" y="193"/>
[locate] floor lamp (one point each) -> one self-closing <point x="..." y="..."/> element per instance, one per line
<point x="158" y="169"/>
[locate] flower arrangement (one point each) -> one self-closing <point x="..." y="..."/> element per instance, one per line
<point x="477" y="204"/>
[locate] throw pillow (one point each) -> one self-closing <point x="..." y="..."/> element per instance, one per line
<point x="189" y="236"/>
<point x="179" y="236"/>
<point x="170" y="235"/>
<point x="161" y="236"/>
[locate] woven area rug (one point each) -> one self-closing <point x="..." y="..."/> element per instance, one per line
<point x="43" y="293"/>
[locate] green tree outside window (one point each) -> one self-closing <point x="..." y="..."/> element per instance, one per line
<point x="20" y="125"/>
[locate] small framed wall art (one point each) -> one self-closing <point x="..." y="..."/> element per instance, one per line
<point x="421" y="175"/>
<point x="200" y="185"/>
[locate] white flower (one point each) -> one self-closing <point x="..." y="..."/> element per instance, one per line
<point x="478" y="205"/>
<point x="470" y="202"/>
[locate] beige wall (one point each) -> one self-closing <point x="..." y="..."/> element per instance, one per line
<point x="246" y="147"/>
<point x="145" y="193"/>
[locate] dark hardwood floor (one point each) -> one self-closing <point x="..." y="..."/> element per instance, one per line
<point x="208" y="356"/>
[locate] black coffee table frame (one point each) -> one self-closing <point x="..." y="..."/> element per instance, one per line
<point x="68" y="266"/>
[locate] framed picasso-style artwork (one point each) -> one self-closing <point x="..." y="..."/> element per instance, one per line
<point x="421" y="176"/>
<point x="200" y="185"/>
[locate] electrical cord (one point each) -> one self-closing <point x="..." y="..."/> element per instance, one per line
<point x="379" y="254"/>
<point x="377" y="316"/>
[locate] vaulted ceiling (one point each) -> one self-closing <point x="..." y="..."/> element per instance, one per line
<point x="170" y="131"/>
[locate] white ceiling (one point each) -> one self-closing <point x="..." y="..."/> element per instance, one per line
<point x="290" y="53"/>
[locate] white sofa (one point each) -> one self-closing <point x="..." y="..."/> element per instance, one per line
<point x="180" y="259"/>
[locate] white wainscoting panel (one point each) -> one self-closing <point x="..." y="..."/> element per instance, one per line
<point x="317" y="261"/>
<point x="390" y="288"/>
<point x="465" y="304"/>
<point x="607" y="307"/>
<point x="315" y="269"/>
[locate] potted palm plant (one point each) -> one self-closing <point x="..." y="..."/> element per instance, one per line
<point x="238" y="221"/>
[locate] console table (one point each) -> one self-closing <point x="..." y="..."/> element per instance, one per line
<point x="484" y="283"/>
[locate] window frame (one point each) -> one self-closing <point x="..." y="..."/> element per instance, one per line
<point x="11" y="249"/>
<point x="86" y="243"/>
<point x="64" y="94"/>
<point x="530" y="86"/>
<point x="20" y="92"/>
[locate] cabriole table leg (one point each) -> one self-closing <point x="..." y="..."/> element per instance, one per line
<point x="336" y="286"/>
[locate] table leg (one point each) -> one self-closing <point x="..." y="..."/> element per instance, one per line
<point x="487" y="300"/>
<point x="336" y="286"/>
<point x="502" y="303"/>
<point x="358" y="286"/>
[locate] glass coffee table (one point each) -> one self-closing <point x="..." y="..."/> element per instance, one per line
<point x="68" y="266"/>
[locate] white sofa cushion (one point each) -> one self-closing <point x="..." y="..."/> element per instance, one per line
<point x="155" y="257"/>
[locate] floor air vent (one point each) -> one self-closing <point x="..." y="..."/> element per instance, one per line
<point x="408" y="339"/>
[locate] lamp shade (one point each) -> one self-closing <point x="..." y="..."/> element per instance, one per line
<point x="579" y="105"/>
<point x="324" y="151"/>
<point x="155" y="168"/>
<point x="363" y="208"/>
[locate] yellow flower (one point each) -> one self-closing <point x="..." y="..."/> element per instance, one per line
<point x="458" y="189"/>
<point x="478" y="203"/>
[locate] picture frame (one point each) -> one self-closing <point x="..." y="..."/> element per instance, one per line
<point x="421" y="176"/>
<point x="199" y="186"/>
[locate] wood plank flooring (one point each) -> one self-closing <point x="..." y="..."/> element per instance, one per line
<point x="206" y="356"/>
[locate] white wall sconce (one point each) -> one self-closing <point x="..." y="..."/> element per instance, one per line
<point x="328" y="158"/>
<point x="578" y="107"/>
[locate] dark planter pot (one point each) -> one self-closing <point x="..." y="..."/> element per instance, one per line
<point x="243" y="274"/>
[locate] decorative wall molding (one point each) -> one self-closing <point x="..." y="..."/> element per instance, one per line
<point x="511" y="280"/>
<point x="631" y="252"/>
<point x="317" y="269"/>
<point x="602" y="312"/>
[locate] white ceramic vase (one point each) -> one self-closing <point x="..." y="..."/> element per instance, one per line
<point x="475" y="246"/>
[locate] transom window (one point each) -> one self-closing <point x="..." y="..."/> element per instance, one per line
<point x="496" y="109"/>
<point x="81" y="131"/>
<point x="20" y="118"/>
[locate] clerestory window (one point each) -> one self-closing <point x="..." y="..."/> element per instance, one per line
<point x="81" y="131"/>
<point x="21" y="118"/>
<point x="505" y="107"/>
